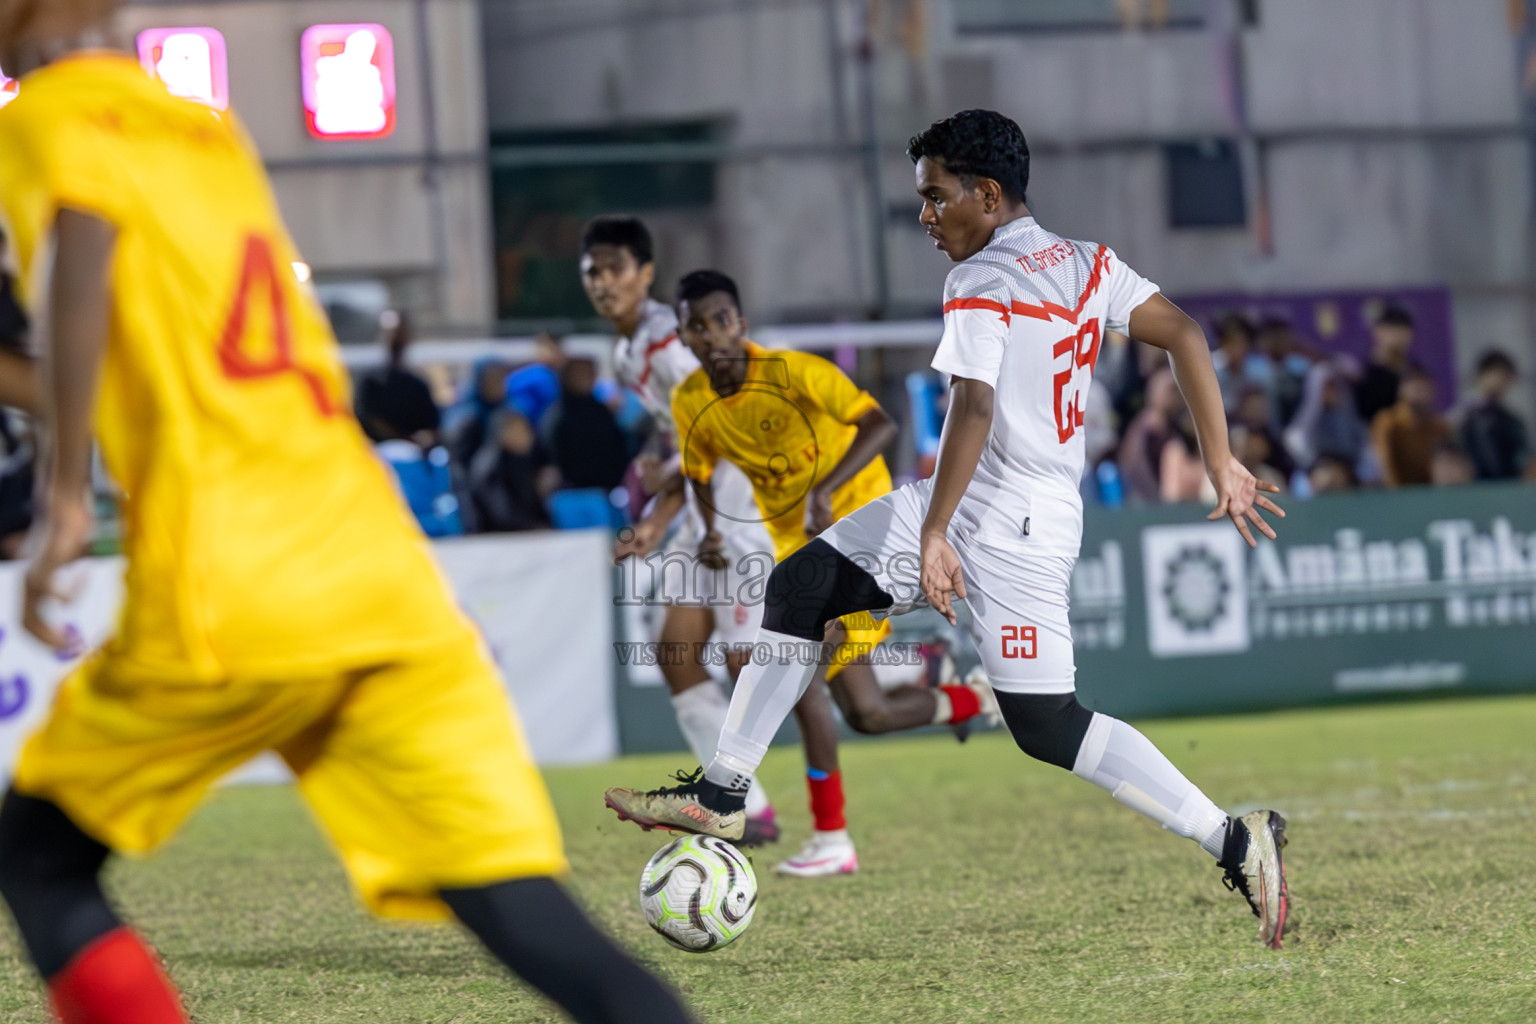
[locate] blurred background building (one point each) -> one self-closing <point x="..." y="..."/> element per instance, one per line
<point x="1218" y="145"/>
<point x="1221" y="146"/>
<point x="400" y="221"/>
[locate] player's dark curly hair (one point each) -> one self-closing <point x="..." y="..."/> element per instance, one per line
<point x="622" y="231"/>
<point x="700" y="283"/>
<point x="977" y="144"/>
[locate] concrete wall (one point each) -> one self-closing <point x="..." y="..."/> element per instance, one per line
<point x="411" y="210"/>
<point x="1388" y="131"/>
<point x="791" y="215"/>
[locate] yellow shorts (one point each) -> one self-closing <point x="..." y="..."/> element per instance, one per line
<point x="864" y="632"/>
<point x="417" y="771"/>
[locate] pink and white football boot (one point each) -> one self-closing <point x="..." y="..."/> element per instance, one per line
<point x="825" y="853"/>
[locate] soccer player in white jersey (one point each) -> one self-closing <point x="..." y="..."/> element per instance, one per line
<point x="1000" y="522"/>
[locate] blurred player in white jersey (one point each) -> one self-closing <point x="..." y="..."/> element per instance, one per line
<point x="1000" y="522"/>
<point x="617" y="271"/>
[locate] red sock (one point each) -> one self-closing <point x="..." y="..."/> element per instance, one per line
<point x="963" y="703"/>
<point x="115" y="980"/>
<point x="827" y="800"/>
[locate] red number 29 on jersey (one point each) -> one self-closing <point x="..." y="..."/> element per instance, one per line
<point x="1072" y="383"/>
<point x="1018" y="641"/>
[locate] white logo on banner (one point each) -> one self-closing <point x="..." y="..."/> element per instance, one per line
<point x="1197" y="589"/>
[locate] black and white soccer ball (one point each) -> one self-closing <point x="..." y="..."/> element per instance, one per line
<point x="698" y="892"/>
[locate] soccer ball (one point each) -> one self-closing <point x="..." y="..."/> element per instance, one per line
<point x="698" y="892"/>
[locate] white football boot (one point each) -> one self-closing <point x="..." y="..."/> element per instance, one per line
<point x="991" y="714"/>
<point x="1251" y="858"/>
<point x="825" y="853"/>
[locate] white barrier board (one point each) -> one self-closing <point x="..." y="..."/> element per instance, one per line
<point x="543" y="601"/>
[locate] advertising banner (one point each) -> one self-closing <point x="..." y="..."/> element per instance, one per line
<point x="1372" y="593"/>
<point x="1378" y="593"/>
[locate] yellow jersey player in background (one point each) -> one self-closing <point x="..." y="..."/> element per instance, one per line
<point x="810" y="440"/>
<point x="278" y="595"/>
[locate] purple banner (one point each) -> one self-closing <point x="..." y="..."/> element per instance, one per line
<point x="1340" y="322"/>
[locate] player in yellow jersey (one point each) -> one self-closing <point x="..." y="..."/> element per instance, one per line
<point x="278" y="595"/>
<point x="810" y="441"/>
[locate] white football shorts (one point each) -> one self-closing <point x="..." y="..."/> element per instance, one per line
<point x="1018" y="599"/>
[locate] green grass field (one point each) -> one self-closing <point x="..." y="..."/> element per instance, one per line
<point x="993" y="888"/>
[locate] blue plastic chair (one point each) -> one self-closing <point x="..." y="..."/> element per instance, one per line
<point x="924" y="390"/>
<point x="584" y="508"/>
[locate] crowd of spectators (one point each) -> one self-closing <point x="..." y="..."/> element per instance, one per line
<point x="516" y="442"/>
<point x="512" y="446"/>
<point x="1308" y="421"/>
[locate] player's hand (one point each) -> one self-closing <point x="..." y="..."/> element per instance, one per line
<point x="639" y="540"/>
<point x="941" y="577"/>
<point x="652" y="472"/>
<point x="712" y="551"/>
<point x="1238" y="498"/>
<point x="56" y="541"/>
<point x="818" y="511"/>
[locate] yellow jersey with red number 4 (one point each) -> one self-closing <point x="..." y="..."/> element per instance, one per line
<point x="263" y="537"/>
<point x="789" y="425"/>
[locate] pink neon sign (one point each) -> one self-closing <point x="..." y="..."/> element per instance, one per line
<point x="9" y="87"/>
<point x="349" y="81"/>
<point x="192" y="62"/>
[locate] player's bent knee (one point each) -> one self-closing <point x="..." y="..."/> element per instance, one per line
<point x="799" y="589"/>
<point x="868" y="717"/>
<point x="868" y="721"/>
<point x="1048" y="727"/>
<point x="815" y="585"/>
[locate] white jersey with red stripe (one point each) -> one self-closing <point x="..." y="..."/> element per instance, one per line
<point x="1027" y="315"/>
<point x="653" y="361"/>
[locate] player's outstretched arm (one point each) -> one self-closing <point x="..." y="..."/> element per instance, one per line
<point x="876" y="431"/>
<point x="967" y="426"/>
<point x="1163" y="325"/>
<point x="73" y="336"/>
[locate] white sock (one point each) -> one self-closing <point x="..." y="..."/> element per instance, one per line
<point x="764" y="697"/>
<point x="891" y="676"/>
<point x="701" y="715"/>
<point x="757" y="800"/>
<point x="1117" y="757"/>
<point x="943" y="707"/>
